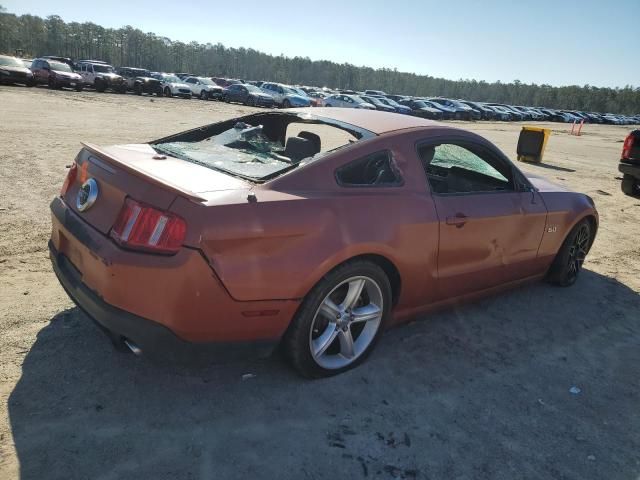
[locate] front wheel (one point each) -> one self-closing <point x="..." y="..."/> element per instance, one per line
<point x="137" y="88"/>
<point x="203" y="95"/>
<point x="167" y="92"/>
<point x="286" y="104"/>
<point x="339" y="321"/>
<point x="567" y="265"/>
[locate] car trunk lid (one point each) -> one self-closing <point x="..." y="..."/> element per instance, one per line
<point x="139" y="172"/>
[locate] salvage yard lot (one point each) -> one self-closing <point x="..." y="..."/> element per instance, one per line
<point x="479" y="391"/>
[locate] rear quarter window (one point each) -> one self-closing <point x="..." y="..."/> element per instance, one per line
<point x="375" y="170"/>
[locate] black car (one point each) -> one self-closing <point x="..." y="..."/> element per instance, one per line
<point x="377" y="103"/>
<point x="630" y="164"/>
<point x="13" y="71"/>
<point x="248" y="95"/>
<point x="424" y="109"/>
<point x="139" y="81"/>
<point x="486" y="113"/>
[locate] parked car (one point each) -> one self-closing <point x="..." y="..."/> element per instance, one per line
<point x="204" y="88"/>
<point x="424" y="109"/>
<point x="225" y="82"/>
<point x="503" y="113"/>
<point x="248" y="95"/>
<point x="317" y="98"/>
<point x="284" y="96"/>
<point x="460" y="110"/>
<point x="140" y="80"/>
<point x="55" y="74"/>
<point x="100" y="75"/>
<point x="630" y="164"/>
<point x="172" y="86"/>
<point x="392" y="103"/>
<point x="374" y="93"/>
<point x="60" y="59"/>
<point x="486" y="113"/>
<point x="233" y="244"/>
<point x="347" y="101"/>
<point x="184" y="75"/>
<point x="377" y="103"/>
<point x="13" y="71"/>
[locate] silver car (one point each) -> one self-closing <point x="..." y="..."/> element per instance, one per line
<point x="347" y="101"/>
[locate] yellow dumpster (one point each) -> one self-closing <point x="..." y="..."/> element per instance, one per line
<point x="531" y="144"/>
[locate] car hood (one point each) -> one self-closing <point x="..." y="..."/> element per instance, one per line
<point x="179" y="85"/>
<point x="542" y="184"/>
<point x="67" y="74"/>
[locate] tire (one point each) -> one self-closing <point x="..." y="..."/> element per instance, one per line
<point x="567" y="265"/>
<point x="137" y="88"/>
<point x="314" y="320"/>
<point x="204" y="95"/>
<point x="286" y="103"/>
<point x="167" y="92"/>
<point x="79" y="88"/>
<point x="328" y="105"/>
<point x="250" y="101"/>
<point x="630" y="185"/>
<point x="100" y="86"/>
<point x="51" y="83"/>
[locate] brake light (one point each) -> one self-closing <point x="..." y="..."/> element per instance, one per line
<point x="142" y="227"/>
<point x="628" y="146"/>
<point x="71" y="177"/>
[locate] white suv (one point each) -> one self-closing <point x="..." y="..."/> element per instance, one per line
<point x="204" y="88"/>
<point x="172" y="85"/>
<point x="100" y="75"/>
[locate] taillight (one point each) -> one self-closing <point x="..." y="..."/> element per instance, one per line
<point x="71" y="176"/>
<point x="628" y="146"/>
<point x="142" y="227"/>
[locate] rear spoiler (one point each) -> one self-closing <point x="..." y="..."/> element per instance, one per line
<point x="146" y="175"/>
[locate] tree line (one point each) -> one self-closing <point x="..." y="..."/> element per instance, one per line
<point x="31" y="36"/>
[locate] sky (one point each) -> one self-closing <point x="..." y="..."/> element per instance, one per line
<point x="562" y="42"/>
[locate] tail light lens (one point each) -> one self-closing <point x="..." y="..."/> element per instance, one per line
<point x="628" y="146"/>
<point x="142" y="227"/>
<point x="71" y="177"/>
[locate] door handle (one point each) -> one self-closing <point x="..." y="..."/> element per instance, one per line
<point x="458" y="220"/>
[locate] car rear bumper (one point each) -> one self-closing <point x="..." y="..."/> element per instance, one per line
<point x="632" y="169"/>
<point x="171" y="307"/>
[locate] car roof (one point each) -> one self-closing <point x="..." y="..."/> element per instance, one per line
<point x="375" y="121"/>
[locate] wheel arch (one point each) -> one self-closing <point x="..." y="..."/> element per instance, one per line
<point x="388" y="266"/>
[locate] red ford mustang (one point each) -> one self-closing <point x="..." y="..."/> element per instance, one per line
<point x="312" y="231"/>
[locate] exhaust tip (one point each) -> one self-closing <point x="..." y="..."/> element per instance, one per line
<point x="135" y="349"/>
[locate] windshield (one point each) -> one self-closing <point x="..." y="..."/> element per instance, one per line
<point x="171" y="79"/>
<point x="421" y="104"/>
<point x="102" y="68"/>
<point x="59" y="67"/>
<point x="299" y="91"/>
<point x="10" y="62"/>
<point x="373" y="100"/>
<point x="27" y="63"/>
<point x="290" y="91"/>
<point x="207" y="81"/>
<point x="388" y="101"/>
<point x="253" y="88"/>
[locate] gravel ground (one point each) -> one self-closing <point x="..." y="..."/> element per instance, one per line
<point x="479" y="391"/>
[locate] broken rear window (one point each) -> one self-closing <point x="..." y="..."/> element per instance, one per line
<point x="262" y="146"/>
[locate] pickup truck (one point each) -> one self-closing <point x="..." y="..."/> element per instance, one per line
<point x="630" y="164"/>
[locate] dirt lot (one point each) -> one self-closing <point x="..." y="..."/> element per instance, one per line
<point x="480" y="391"/>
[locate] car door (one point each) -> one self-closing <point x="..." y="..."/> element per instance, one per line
<point x="491" y="219"/>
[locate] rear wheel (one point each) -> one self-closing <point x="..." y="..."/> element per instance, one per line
<point x="567" y="265"/>
<point x="51" y="83"/>
<point x="78" y="88"/>
<point x="250" y="101"/>
<point x="137" y="88"/>
<point x="167" y="92"/>
<point x="100" y="86"/>
<point x="630" y="185"/>
<point x="204" y="95"/>
<point x="286" y="104"/>
<point x="339" y="321"/>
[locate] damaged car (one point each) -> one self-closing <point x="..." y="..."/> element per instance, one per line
<point x="312" y="231"/>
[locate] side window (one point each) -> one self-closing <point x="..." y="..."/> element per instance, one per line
<point x="453" y="168"/>
<point x="191" y="80"/>
<point x="377" y="170"/>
